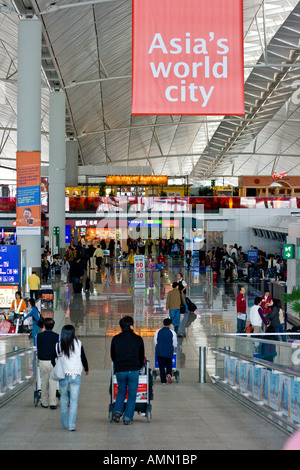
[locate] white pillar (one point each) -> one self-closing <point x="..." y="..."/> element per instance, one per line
<point x="57" y="164"/>
<point x="29" y="110"/>
<point x="72" y="163"/>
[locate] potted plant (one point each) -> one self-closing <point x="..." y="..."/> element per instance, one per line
<point x="294" y="299"/>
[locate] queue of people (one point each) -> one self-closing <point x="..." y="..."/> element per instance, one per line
<point x="233" y="261"/>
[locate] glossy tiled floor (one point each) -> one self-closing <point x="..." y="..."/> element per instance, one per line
<point x="185" y="415"/>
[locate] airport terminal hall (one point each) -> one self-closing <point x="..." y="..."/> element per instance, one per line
<point x="149" y="227"/>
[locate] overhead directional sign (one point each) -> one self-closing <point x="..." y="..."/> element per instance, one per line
<point x="289" y="251"/>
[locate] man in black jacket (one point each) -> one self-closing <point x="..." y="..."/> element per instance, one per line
<point x="46" y="342"/>
<point x="127" y="354"/>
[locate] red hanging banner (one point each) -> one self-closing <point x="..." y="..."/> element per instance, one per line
<point x="188" y="57"/>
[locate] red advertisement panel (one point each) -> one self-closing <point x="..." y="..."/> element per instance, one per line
<point x="188" y="57"/>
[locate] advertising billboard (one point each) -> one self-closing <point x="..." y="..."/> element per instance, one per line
<point x="28" y="193"/>
<point x="188" y="57"/>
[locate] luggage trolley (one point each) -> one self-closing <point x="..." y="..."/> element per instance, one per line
<point x="175" y="372"/>
<point x="47" y="297"/>
<point x="144" y="393"/>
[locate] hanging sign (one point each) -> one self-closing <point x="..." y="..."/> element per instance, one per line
<point x="188" y="57"/>
<point x="28" y="193"/>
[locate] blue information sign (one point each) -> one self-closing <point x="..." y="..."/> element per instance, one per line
<point x="9" y="264"/>
<point x="252" y="256"/>
<point x="68" y="234"/>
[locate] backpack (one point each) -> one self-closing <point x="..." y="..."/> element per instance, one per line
<point x="191" y="306"/>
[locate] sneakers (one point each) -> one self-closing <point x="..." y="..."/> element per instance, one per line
<point x="127" y="422"/>
<point x="116" y="417"/>
<point x="169" y="379"/>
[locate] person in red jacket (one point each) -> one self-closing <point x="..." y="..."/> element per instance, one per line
<point x="266" y="303"/>
<point x="241" y="308"/>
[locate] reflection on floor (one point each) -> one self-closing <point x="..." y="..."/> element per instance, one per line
<point x="96" y="312"/>
<point x="185" y="415"/>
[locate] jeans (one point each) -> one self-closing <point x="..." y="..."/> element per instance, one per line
<point x="175" y="317"/>
<point x="281" y="330"/>
<point x="68" y="415"/>
<point x="241" y="326"/>
<point x="126" y="380"/>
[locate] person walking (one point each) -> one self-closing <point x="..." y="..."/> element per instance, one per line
<point x="241" y="307"/>
<point x="35" y="314"/>
<point x="130" y="260"/>
<point x="73" y="361"/>
<point x="182" y="285"/>
<point x="128" y="355"/>
<point x="165" y="341"/>
<point x="65" y="268"/>
<point x="98" y="254"/>
<point x="281" y="320"/>
<point x="45" y="269"/>
<point x="175" y="298"/>
<point x="273" y="317"/>
<point x="34" y="285"/>
<point x="46" y="341"/>
<point x="257" y="318"/>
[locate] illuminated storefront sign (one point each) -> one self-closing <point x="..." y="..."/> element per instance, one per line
<point x="170" y="223"/>
<point x="135" y="180"/>
<point x="144" y="223"/>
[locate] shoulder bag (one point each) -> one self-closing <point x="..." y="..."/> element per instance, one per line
<point x="58" y="372"/>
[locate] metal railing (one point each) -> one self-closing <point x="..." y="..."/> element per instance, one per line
<point x="263" y="372"/>
<point x="17" y="365"/>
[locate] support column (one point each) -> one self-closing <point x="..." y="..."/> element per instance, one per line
<point x="57" y="165"/>
<point x="29" y="111"/>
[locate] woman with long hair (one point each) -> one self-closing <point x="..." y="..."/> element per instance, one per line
<point x="73" y="360"/>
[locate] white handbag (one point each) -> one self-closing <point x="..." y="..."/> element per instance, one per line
<point x="58" y="372"/>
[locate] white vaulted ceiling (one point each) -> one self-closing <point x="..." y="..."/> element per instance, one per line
<point x="87" y="52"/>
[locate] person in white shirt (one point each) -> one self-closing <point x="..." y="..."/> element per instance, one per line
<point x="256" y="316"/>
<point x="74" y="360"/>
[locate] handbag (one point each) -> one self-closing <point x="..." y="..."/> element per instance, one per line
<point x="182" y="308"/>
<point x="40" y="321"/>
<point x="58" y="372"/>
